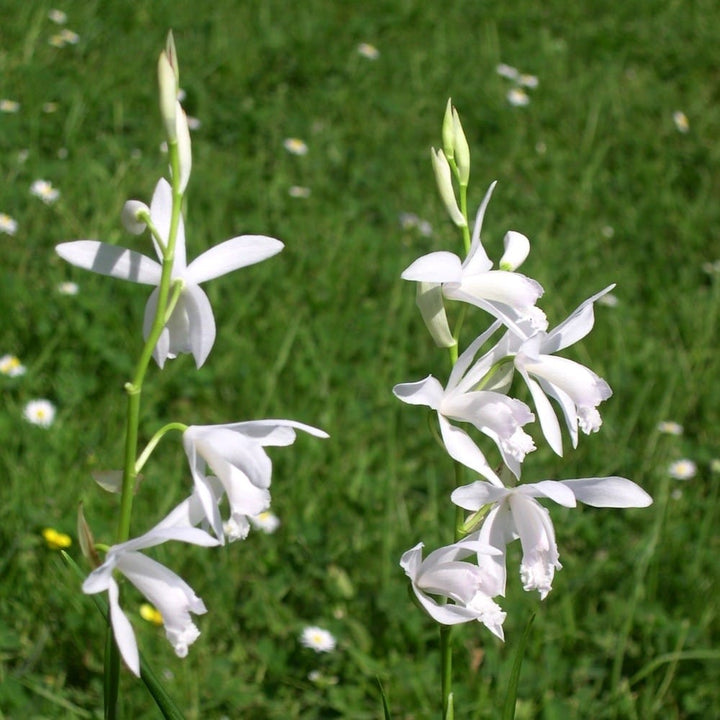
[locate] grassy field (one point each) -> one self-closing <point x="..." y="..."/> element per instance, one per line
<point x="594" y="170"/>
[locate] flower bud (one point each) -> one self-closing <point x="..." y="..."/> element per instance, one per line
<point x="184" y="149"/>
<point x="168" y="84"/>
<point x="133" y="216"/>
<point x="173" y="58"/>
<point x="448" y="131"/>
<point x="462" y="150"/>
<point x="443" y="177"/>
<point x="432" y="308"/>
<point x="517" y="247"/>
<point x="86" y="539"/>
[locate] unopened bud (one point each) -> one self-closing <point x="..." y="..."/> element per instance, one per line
<point x="134" y="216"/>
<point x="167" y="82"/>
<point x="448" y="131"/>
<point x="184" y="149"/>
<point x="517" y="247"/>
<point x="462" y="150"/>
<point x="86" y="539"/>
<point x="173" y="58"/>
<point x="443" y="177"/>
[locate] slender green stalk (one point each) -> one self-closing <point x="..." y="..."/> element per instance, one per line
<point x="446" y="666"/>
<point x="134" y="393"/>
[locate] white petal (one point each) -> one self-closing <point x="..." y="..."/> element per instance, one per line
<point x="122" y="631"/>
<point x="510" y="288"/>
<point x="517" y="248"/>
<point x="553" y="489"/>
<point x="430" y="302"/>
<point x="110" y="260"/>
<point x="545" y="413"/>
<point x="161" y="214"/>
<point x="463" y="362"/>
<point x="472" y="497"/>
<point x="614" y="492"/>
<point x="423" y="392"/>
<point x="161" y="352"/>
<point x="462" y="447"/>
<point x="273" y="432"/>
<point x="477" y="260"/>
<point x="437" y="267"/>
<point x="129" y="216"/>
<point x="201" y="323"/>
<point x="230" y="255"/>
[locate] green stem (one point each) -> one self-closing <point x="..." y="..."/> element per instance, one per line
<point x="154" y="440"/>
<point x="134" y="392"/>
<point x="446" y="666"/>
<point x="463" y="210"/>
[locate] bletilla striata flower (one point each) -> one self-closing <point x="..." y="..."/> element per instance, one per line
<point x="470" y="587"/>
<point x="505" y="294"/>
<point x="235" y="454"/>
<point x="492" y="413"/>
<point x="516" y="513"/>
<point x="577" y="389"/>
<point x="168" y="592"/>
<point x="191" y="327"/>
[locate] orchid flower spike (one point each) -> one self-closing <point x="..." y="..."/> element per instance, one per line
<point x="191" y="327"/>
<point x="470" y="587"/>
<point x="492" y="413"/>
<point x="235" y="454"/>
<point x="508" y="296"/>
<point x="516" y="513"/>
<point x="168" y="592"/>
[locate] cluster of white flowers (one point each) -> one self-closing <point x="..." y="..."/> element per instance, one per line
<point x="227" y="461"/>
<point x="477" y="393"/>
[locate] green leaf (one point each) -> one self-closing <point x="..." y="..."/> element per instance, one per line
<point x="511" y="695"/>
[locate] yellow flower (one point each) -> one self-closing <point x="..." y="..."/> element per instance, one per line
<point x="56" y="540"/>
<point x="151" y="614"/>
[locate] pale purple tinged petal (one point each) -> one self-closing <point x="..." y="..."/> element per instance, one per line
<point x="423" y="392"/>
<point x="614" y="492"/>
<point x="110" y="260"/>
<point x="437" y="267"/>
<point x="230" y="255"/>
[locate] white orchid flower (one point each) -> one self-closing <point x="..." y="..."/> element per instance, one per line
<point x="168" y="592"/>
<point x="492" y="413"/>
<point x="506" y="295"/>
<point x="516" y="513"/>
<point x="235" y="454"/>
<point x="577" y="389"/>
<point x="470" y="587"/>
<point x="191" y="327"/>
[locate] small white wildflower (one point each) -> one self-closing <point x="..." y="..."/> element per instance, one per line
<point x="425" y="228"/>
<point x="57" y="16"/>
<point x="69" y="37"/>
<point x="9" y="106"/>
<point x="715" y="465"/>
<point x="670" y="427"/>
<point x="608" y="231"/>
<point x="49" y="107"/>
<point x="11" y="366"/>
<point x="298" y="191"/>
<point x="8" y="225"/>
<point x="528" y="81"/>
<point x="368" y="51"/>
<point x="507" y="71"/>
<point x="68" y="288"/>
<point x="317" y="639"/>
<point x="517" y="97"/>
<point x="681" y="122"/>
<point x="266" y="521"/>
<point x="408" y="220"/>
<point x="45" y="191"/>
<point x="40" y="412"/>
<point x="194" y="123"/>
<point x="711" y="268"/>
<point x="295" y="146"/>
<point x="682" y="469"/>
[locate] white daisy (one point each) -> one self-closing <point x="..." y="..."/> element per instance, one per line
<point x="681" y="122"/>
<point x="517" y="97"/>
<point x="295" y="146"/>
<point x="8" y="225"/>
<point x="9" y="106"/>
<point x="682" y="469"/>
<point x="266" y="521"/>
<point x="317" y="639"/>
<point x="68" y="288"/>
<point x="670" y="427"/>
<point x="40" y="412"/>
<point x="368" y="51"/>
<point x="45" y="191"/>
<point x="11" y="366"/>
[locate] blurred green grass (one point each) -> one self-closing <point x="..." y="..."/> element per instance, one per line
<point x="322" y="332"/>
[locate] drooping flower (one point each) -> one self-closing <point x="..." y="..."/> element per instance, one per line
<point x="516" y="513"/>
<point x="40" y="412"/>
<point x="577" y="389"/>
<point x="492" y="413"/>
<point x="505" y="294"/>
<point x="317" y="639"/>
<point x="471" y="587"/>
<point x="191" y="327"/>
<point x="165" y="590"/>
<point x="235" y="454"/>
